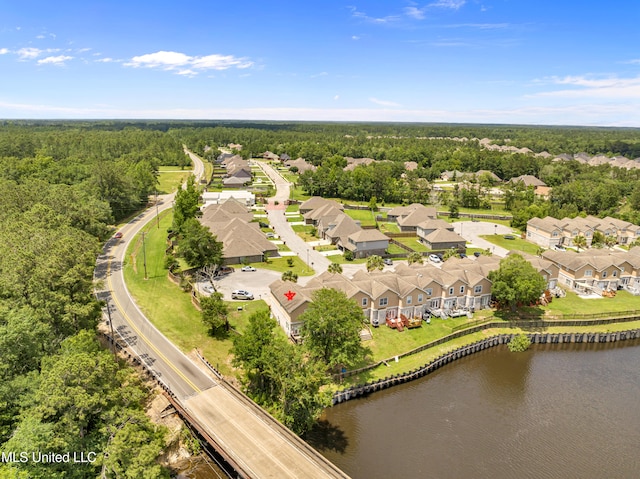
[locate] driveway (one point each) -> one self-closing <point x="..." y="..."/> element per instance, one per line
<point x="256" y="282"/>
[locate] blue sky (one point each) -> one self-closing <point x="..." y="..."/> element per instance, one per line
<point x="482" y="61"/>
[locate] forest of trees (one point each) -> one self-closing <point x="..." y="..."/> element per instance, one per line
<point x="63" y="185"/>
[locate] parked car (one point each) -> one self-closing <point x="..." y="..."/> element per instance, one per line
<point x="270" y="235"/>
<point x="241" y="294"/>
<point x="208" y="288"/>
<point x="247" y="268"/>
<point x="388" y="261"/>
<point x="462" y="255"/>
<point x="509" y="237"/>
<point x="559" y="248"/>
<point x="224" y="270"/>
<point x="263" y="225"/>
<point x="435" y="258"/>
<point x="477" y="254"/>
<point x="118" y="235"/>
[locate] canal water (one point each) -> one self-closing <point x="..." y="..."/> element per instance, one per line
<point x="561" y="411"/>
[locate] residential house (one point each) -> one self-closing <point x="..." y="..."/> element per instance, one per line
<point x="301" y="164"/>
<point x="427" y="227"/>
<point x="624" y="231"/>
<point x="409" y="217"/>
<point x="443" y="239"/>
<point x="242" y="239"/>
<point x="270" y="156"/>
<point x="218" y="197"/>
<point x="315" y="202"/>
<point x="528" y="180"/>
<point x="367" y="242"/>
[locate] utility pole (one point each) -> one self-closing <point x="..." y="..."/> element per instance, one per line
<point x="144" y="257"/>
<point x="113" y="337"/>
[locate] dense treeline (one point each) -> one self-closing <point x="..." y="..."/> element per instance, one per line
<point x="116" y="167"/>
<point x="60" y="391"/>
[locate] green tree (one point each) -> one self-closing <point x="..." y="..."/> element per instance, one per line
<point x="515" y="282"/>
<point x="580" y="242"/>
<point x="331" y="329"/>
<point x="454" y="210"/>
<point x="290" y="276"/>
<point x="198" y="246"/>
<point x="185" y="205"/>
<point x="215" y="313"/>
<point x="335" y="268"/>
<point x="610" y="241"/>
<point x="375" y="262"/>
<point x="450" y="253"/>
<point x="415" y="257"/>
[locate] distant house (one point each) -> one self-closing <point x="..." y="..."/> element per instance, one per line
<point x="443" y="239"/>
<point x="427" y="227"/>
<point x="588" y="271"/>
<point x="301" y="164"/>
<point x="315" y="202"/>
<point x="217" y="197"/>
<point x="488" y="174"/>
<point x="409" y="217"/>
<point x="455" y="175"/>
<point x="270" y="156"/>
<point x="528" y="180"/>
<point x="284" y="157"/>
<point x="367" y="242"/>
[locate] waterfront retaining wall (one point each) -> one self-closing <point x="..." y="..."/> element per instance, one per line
<point x="536" y="338"/>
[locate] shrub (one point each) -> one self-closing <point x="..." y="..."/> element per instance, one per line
<point x="519" y="343"/>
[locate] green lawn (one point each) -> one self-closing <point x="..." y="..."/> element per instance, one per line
<point x="395" y="249"/>
<point x="388" y="227"/>
<point x="293" y="208"/>
<point x="516" y="244"/>
<point x="292" y="219"/>
<point x="573" y="304"/>
<point x="281" y="265"/>
<point x="413" y="243"/>
<point x="366" y="217"/>
<point x="339" y="258"/>
<point x="169" y="308"/>
<point x="169" y="181"/>
<point x="304" y="231"/>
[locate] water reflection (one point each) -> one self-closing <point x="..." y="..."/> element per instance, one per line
<point x="553" y="412"/>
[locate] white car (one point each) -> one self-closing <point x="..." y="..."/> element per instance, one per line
<point x="241" y="294"/>
<point x="435" y="258"/>
<point x="247" y="268"/>
<point x="208" y="288"/>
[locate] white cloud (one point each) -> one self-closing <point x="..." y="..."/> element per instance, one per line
<point x="185" y="64"/>
<point x="4" y="51"/>
<point x="106" y="60"/>
<point x="603" y="88"/>
<point x="378" y="20"/>
<point x="452" y="4"/>
<point x="336" y="98"/>
<point x="29" y="53"/>
<point x="355" y="37"/>
<point x="321" y="74"/>
<point x="417" y="13"/>
<point x="57" y="60"/>
<point x="383" y="102"/>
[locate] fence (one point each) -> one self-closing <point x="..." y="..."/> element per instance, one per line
<point x="536" y="338"/>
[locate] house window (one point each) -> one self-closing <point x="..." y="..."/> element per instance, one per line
<point x="604" y="274"/>
<point x="384" y="301"/>
<point x="450" y="290"/>
<point x="555" y="234"/>
<point x="429" y="291"/>
<point x="588" y="272"/>
<point x="365" y="301"/>
<point x="588" y="234"/>
<point x="419" y="298"/>
<point x="614" y="274"/>
<point x="478" y="289"/>
<point x="461" y="289"/>
<point x="409" y="299"/>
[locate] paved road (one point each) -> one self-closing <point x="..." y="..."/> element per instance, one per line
<point x="173" y="368"/>
<point x="258" y="444"/>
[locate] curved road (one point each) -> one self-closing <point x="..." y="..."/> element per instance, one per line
<point x="257" y="444"/>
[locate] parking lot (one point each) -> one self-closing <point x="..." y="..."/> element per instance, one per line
<point x="256" y="282"/>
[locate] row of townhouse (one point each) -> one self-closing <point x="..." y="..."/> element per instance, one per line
<point x="550" y="232"/>
<point x="409" y="290"/>
<point x="333" y="224"/>
<point x="597" y="270"/>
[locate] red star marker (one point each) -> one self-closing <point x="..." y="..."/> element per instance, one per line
<point x="289" y="294"/>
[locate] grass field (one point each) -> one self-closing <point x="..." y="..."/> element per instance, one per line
<point x="304" y="231"/>
<point x="366" y="217"/>
<point x="413" y="243"/>
<point x="171" y="178"/>
<point x="516" y="244"/>
<point x="169" y="308"/>
<point x="281" y="265"/>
